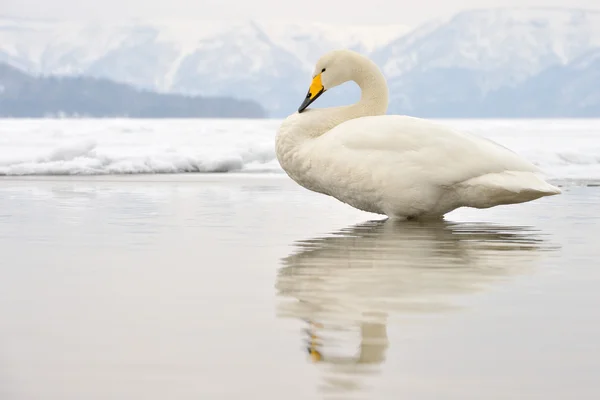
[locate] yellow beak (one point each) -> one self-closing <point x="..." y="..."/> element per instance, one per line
<point x="315" y="90"/>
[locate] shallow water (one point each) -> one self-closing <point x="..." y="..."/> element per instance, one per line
<point x="247" y="286"/>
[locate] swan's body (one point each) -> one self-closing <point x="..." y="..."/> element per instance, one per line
<point x="395" y="165"/>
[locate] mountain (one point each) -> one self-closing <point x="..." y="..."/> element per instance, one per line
<point x="454" y="68"/>
<point x="571" y="90"/>
<point x="265" y="61"/>
<point x="528" y="62"/>
<point x="22" y="95"/>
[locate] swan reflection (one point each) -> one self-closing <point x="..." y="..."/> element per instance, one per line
<point x="348" y="284"/>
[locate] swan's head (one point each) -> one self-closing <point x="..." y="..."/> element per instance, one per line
<point x="332" y="69"/>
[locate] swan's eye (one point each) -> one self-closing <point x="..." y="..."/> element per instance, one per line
<point x="323" y="70"/>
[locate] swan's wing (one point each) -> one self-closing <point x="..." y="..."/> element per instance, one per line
<point x="421" y="149"/>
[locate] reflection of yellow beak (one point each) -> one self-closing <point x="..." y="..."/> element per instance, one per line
<point x="315" y="355"/>
<point x="315" y="90"/>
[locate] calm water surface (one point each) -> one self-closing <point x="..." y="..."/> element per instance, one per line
<point x="242" y="286"/>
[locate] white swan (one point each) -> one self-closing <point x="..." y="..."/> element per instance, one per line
<point x="395" y="165"/>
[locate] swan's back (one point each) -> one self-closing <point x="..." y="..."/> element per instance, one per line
<point x="408" y="166"/>
<point x="424" y="148"/>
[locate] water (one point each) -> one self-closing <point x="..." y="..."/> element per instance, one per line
<point x="564" y="149"/>
<point x="244" y="285"/>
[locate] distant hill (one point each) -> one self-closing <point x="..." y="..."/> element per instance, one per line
<point x="23" y="95"/>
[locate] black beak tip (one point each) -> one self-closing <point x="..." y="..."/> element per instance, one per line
<point x="307" y="101"/>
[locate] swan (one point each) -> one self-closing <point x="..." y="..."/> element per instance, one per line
<point x="395" y="165"/>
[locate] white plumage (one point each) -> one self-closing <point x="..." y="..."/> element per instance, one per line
<point x="400" y="166"/>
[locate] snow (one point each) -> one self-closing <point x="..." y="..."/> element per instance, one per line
<point x="564" y="149"/>
<point x="92" y="147"/>
<point x="587" y="60"/>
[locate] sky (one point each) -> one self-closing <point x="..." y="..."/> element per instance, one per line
<point x="409" y="13"/>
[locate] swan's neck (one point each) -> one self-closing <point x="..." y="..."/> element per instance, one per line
<point x="373" y="87"/>
<point x="373" y="99"/>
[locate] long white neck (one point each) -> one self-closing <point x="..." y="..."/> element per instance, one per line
<point x="374" y="92"/>
<point x="373" y="100"/>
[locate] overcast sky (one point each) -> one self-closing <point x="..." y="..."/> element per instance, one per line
<point x="351" y="11"/>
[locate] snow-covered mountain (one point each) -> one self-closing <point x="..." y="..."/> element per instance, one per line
<point x="571" y="90"/>
<point x="476" y="63"/>
<point x="446" y="68"/>
<point x="256" y="60"/>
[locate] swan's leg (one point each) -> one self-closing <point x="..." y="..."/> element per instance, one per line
<point x="397" y="218"/>
<point x="426" y="217"/>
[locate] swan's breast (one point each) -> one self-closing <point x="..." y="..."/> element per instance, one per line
<point x="293" y="148"/>
<point x="371" y="180"/>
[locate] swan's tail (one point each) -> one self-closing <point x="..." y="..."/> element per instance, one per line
<point x="509" y="187"/>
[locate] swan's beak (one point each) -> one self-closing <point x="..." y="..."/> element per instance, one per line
<point x="315" y="90"/>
